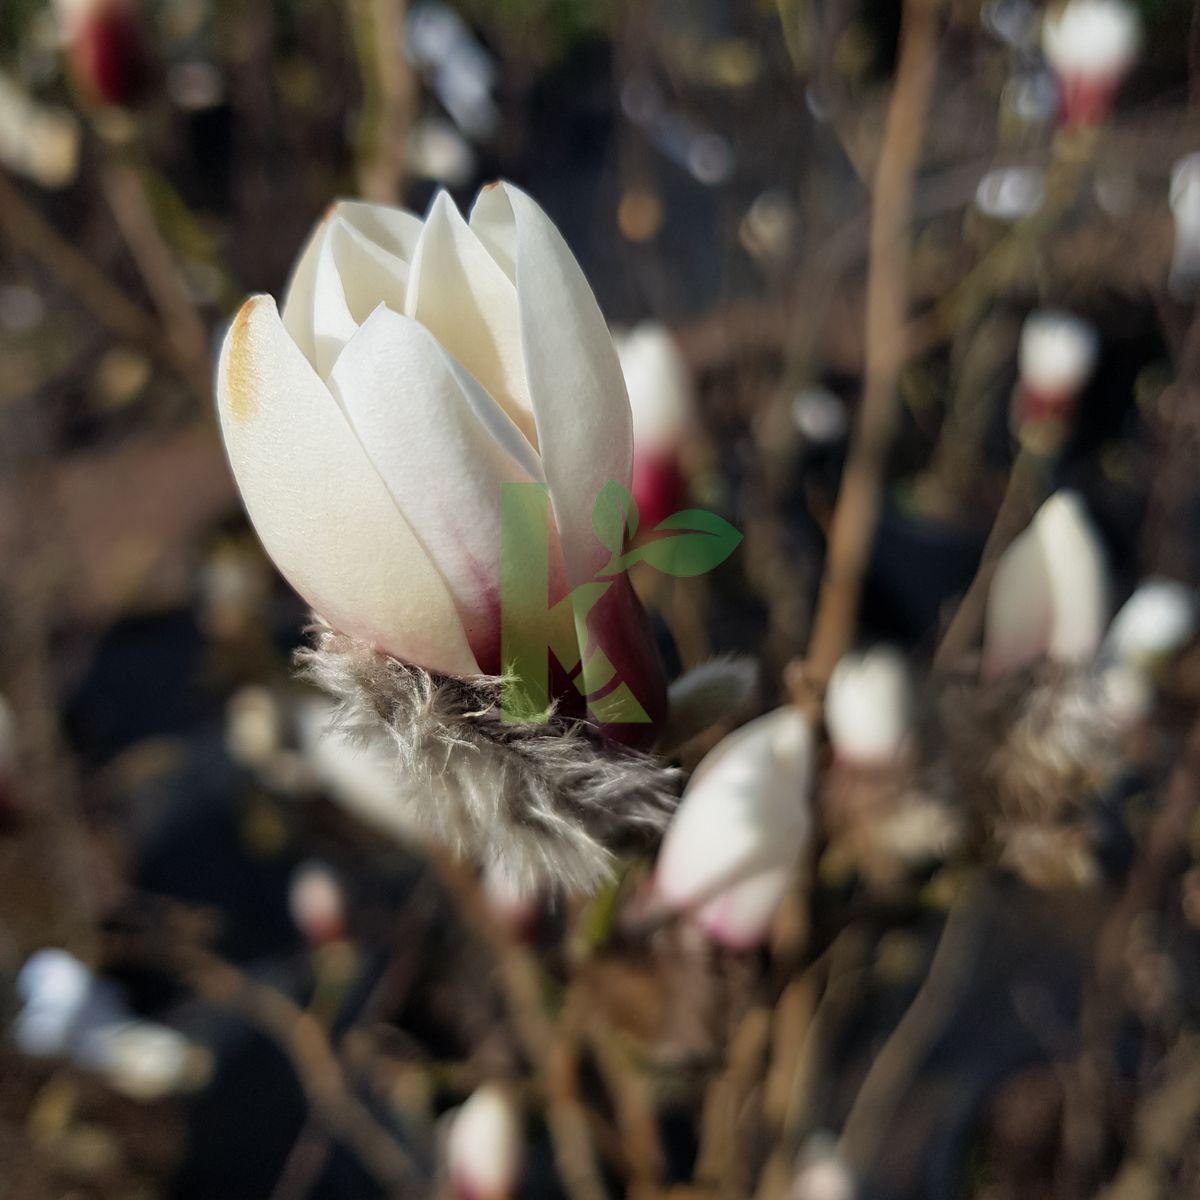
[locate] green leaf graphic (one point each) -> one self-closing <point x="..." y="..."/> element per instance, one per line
<point x="614" y="516"/>
<point x="704" y="542"/>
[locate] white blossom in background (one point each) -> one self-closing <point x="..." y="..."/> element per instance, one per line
<point x="317" y="903"/>
<point x="1010" y="193"/>
<point x="662" y="403"/>
<point x="737" y="840"/>
<point x="868" y="707"/>
<point x="107" y="48"/>
<point x="820" y="416"/>
<point x="1153" y="625"/>
<point x="1184" y="278"/>
<point x="485" y="1147"/>
<point x="37" y="141"/>
<point x="1049" y="597"/>
<point x="1091" y="45"/>
<point x="513" y="902"/>
<point x="69" y="1013"/>
<point x="1055" y="360"/>
<point x="821" y="1173"/>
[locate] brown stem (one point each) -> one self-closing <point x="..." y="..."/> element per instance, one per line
<point x="859" y="501"/>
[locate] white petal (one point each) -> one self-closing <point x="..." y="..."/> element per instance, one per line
<point x="1049" y="595"/>
<point x="741" y="916"/>
<point x="659" y="385"/>
<point x="575" y="383"/>
<point x="868" y="706"/>
<point x="443" y="446"/>
<point x="466" y="301"/>
<point x="318" y="506"/>
<point x="1057" y="352"/>
<point x="1156" y="622"/>
<point x="387" y="235"/>
<point x="744" y="813"/>
<point x="484" y="1149"/>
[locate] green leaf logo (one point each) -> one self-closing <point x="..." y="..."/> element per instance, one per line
<point x="699" y="542"/>
<point x="614" y="517"/>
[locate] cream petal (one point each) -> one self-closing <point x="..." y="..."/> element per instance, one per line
<point x="1049" y="595"/>
<point x="575" y="381"/>
<point x="467" y="302"/>
<point x="443" y="446"/>
<point x="745" y="812"/>
<point x="741" y="916"/>
<point x="320" y="509"/>
<point x="386" y="237"/>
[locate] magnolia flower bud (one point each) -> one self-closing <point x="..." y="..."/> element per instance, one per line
<point x="1049" y="595"/>
<point x="1009" y="193"/>
<point x="417" y="366"/>
<point x="662" y="404"/>
<point x="484" y="1151"/>
<point x="1091" y="46"/>
<point x="821" y="1173"/>
<point x="1154" y="624"/>
<point x="106" y="48"/>
<point x="735" y="842"/>
<point x="317" y="903"/>
<point x="68" y="1012"/>
<point x="513" y="902"/>
<point x="868" y="707"/>
<point x="1184" y="279"/>
<point x="1056" y="358"/>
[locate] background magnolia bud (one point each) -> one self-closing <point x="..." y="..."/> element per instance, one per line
<point x="317" y="903"/>
<point x="736" y="840"/>
<point x="1091" y="45"/>
<point x="1049" y="595"/>
<point x="106" y="48"/>
<point x="1056" y="358"/>
<point x="868" y="706"/>
<point x="1184" y="278"/>
<point x="485" y="1149"/>
<point x="1156" y="622"/>
<point x="662" y="405"/>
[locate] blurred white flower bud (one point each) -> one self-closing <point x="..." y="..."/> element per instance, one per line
<point x="69" y="1012"/>
<point x="1091" y="45"/>
<point x="253" y="726"/>
<point x="736" y="840"/>
<point x="484" y="1150"/>
<point x="55" y="988"/>
<point x="1184" y="279"/>
<point x="820" y="1172"/>
<point x="140" y="1059"/>
<point x="1154" y="624"/>
<point x="662" y="404"/>
<point x="820" y="416"/>
<point x="1049" y="595"/>
<point x="317" y="903"/>
<point x="36" y="141"/>
<point x="1056" y="358"/>
<point x="868" y="706"/>
<point x="1010" y="193"/>
<point x="513" y="902"/>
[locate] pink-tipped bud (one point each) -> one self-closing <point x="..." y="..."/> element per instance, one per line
<point x="484" y="1151"/>
<point x="662" y="402"/>
<point x="1153" y="625"/>
<point x="1049" y="595"/>
<point x="513" y="902"/>
<point x="1091" y="46"/>
<point x="1184" y="279"/>
<point x="1056" y="358"/>
<point x="736" y="841"/>
<point x="868" y="707"/>
<point x="317" y="903"/>
<point x="107" y="49"/>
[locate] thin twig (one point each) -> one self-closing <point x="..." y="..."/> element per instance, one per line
<point x="861" y="493"/>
